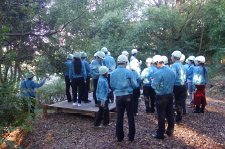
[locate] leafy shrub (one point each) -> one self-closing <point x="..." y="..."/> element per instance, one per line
<point x="51" y="92"/>
<point x="12" y="115"/>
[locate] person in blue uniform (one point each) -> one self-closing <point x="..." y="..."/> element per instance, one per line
<point x="27" y="88"/>
<point x="102" y="95"/>
<point x="110" y="63"/>
<point x="200" y="79"/>
<point x="190" y="68"/>
<point x="78" y="76"/>
<point x="66" y="75"/>
<point x="123" y="82"/>
<point x="149" y="92"/>
<point x="179" y="89"/>
<point x="95" y="65"/>
<point x="162" y="83"/>
<point x="134" y="66"/>
<point x="87" y="84"/>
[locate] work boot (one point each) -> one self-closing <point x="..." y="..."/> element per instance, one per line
<point x="202" y="109"/>
<point x="197" y="109"/>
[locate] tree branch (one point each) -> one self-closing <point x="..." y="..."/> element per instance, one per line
<point x="42" y="35"/>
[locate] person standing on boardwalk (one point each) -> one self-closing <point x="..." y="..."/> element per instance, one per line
<point x="162" y="83"/>
<point x="95" y="65"/>
<point x="179" y="89"/>
<point x="149" y="92"/>
<point x="200" y="79"/>
<point x="78" y="76"/>
<point x="27" y="92"/>
<point x="102" y="95"/>
<point x="123" y="82"/>
<point x="110" y="63"/>
<point x="87" y="84"/>
<point x="66" y="75"/>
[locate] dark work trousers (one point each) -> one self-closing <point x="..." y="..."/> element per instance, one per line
<point x="164" y="105"/>
<point x="68" y="85"/>
<point x="122" y="103"/>
<point x="184" y="101"/>
<point x="95" y="84"/>
<point x="86" y="89"/>
<point x="110" y="95"/>
<point x="136" y="95"/>
<point x="78" y="83"/>
<point x="149" y="94"/>
<point x="180" y="94"/>
<point x="103" y="113"/>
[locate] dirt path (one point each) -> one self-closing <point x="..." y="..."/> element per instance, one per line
<point x="74" y="131"/>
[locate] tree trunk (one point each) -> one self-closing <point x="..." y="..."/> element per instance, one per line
<point x="200" y="46"/>
<point x="1" y="78"/>
<point x="6" y="74"/>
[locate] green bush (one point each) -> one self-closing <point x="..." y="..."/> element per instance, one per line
<point x="51" y="92"/>
<point x="12" y="115"/>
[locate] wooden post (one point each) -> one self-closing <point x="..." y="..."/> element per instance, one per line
<point x="45" y="107"/>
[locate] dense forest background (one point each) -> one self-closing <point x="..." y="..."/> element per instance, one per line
<point x="36" y="35"/>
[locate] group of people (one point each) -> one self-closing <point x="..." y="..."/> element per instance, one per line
<point x="161" y="84"/>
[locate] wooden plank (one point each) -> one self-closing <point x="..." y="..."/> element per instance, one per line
<point x="85" y="109"/>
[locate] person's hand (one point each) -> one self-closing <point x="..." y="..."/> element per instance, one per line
<point x="44" y="79"/>
<point x="99" y="74"/>
<point x="151" y="79"/>
<point x="70" y="81"/>
<point x="102" y="105"/>
<point x="110" y="90"/>
<point x="85" y="82"/>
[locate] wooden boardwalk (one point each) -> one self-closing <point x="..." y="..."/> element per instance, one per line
<point x="85" y="109"/>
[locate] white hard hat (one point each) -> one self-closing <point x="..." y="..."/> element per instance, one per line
<point x="70" y="56"/>
<point x="76" y="55"/>
<point x="192" y="58"/>
<point x="165" y="59"/>
<point x="125" y="53"/>
<point x="200" y="59"/>
<point x="134" y="64"/>
<point x="177" y="54"/>
<point x="103" y="70"/>
<point x="101" y="54"/>
<point x="157" y="58"/>
<point x="122" y="58"/>
<point x="182" y="58"/>
<point x="149" y="60"/>
<point x="134" y="51"/>
<point x="104" y="49"/>
<point x="186" y="61"/>
<point x="95" y="54"/>
<point x="109" y="53"/>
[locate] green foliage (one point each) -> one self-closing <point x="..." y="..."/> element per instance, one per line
<point x="12" y="113"/>
<point x="53" y="91"/>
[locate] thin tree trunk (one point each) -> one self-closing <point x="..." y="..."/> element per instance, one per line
<point x="200" y="46"/>
<point x="6" y="74"/>
<point x="1" y="78"/>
